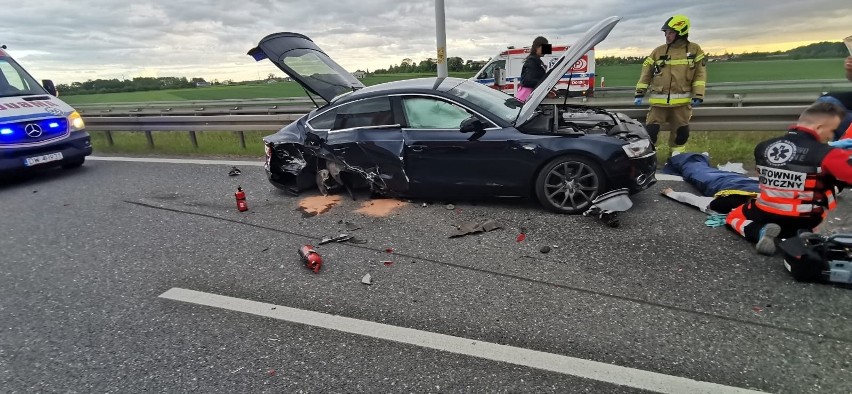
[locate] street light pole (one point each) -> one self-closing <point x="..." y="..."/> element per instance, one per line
<point x="441" y="35"/>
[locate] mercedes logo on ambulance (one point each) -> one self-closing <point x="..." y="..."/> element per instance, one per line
<point x="33" y="130"/>
<point x="53" y="111"/>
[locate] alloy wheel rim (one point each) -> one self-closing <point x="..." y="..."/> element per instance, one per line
<point x="571" y="185"/>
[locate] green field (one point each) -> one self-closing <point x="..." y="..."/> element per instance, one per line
<point x="265" y="90"/>
<point x="626" y="75"/>
<point x="766" y="70"/>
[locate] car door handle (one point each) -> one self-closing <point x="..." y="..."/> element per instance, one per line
<point x="417" y="148"/>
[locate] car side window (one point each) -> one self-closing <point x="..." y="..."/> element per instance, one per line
<point x="361" y="113"/>
<point x="431" y="113"/>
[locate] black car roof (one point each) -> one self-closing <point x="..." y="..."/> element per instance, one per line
<point x="417" y="85"/>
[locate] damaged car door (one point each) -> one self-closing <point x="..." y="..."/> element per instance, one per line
<point x="440" y="158"/>
<point x="366" y="142"/>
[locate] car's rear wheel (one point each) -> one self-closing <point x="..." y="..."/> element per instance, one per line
<point x="74" y="163"/>
<point x="568" y="184"/>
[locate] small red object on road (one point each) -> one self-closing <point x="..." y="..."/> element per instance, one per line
<point x="387" y="263"/>
<point x="271" y="372"/>
<point x="389" y="250"/>
<point x="521" y="237"/>
<point x="240" y="195"/>
<point x="310" y="257"/>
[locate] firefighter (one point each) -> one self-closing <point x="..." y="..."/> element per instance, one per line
<point x="799" y="174"/>
<point x="676" y="75"/>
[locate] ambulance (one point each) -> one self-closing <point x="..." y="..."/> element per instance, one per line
<point x="503" y="72"/>
<point x="37" y="129"/>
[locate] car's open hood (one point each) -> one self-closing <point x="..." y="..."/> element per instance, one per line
<point x="306" y="63"/>
<point x="592" y="37"/>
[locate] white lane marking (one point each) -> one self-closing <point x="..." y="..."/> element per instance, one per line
<point x="257" y="163"/>
<point x="667" y="177"/>
<point x="594" y="370"/>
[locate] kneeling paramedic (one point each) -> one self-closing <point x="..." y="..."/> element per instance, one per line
<point x="675" y="75"/>
<point x="799" y="174"/>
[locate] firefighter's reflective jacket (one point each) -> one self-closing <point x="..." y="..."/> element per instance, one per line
<point x="798" y="174"/>
<point x="674" y="73"/>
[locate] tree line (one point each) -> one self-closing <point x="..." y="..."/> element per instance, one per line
<point x="131" y="85"/>
<point x="454" y="64"/>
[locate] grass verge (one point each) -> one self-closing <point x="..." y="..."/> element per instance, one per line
<point x="723" y="146"/>
<point x="210" y="143"/>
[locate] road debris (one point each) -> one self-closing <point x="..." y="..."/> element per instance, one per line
<point x="387" y="263"/>
<point x="475" y="227"/>
<point x="450" y="207"/>
<point x="240" y="195"/>
<point x="311" y="258"/>
<point x="271" y="372"/>
<point x="380" y="207"/>
<point x="545" y="249"/>
<point x="339" y="238"/>
<point x="350" y="226"/>
<point x="388" y="250"/>
<point x="607" y="206"/>
<point x="237" y="370"/>
<point x="312" y="206"/>
<point x="522" y="235"/>
<point x="367" y="279"/>
<point x="234" y="171"/>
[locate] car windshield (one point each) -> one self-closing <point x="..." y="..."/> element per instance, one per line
<point x="495" y="101"/>
<point x="14" y="81"/>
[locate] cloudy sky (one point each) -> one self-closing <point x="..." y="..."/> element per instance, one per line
<point x="78" y="40"/>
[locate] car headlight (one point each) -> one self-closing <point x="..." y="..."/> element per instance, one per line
<point x="75" y="122"/>
<point x="638" y="148"/>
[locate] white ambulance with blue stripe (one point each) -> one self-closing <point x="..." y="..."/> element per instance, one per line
<point x="37" y="129"/>
<point x="503" y="72"/>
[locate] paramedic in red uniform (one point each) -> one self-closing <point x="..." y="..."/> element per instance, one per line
<point x="799" y="174"/>
<point x="675" y="76"/>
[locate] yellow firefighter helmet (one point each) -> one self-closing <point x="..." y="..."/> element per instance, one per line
<point x="678" y="23"/>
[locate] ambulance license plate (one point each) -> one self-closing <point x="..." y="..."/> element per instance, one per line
<point x="35" y="160"/>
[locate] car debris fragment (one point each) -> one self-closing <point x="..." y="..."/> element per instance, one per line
<point x="339" y="238"/>
<point x="367" y="280"/>
<point x="476" y="227"/>
<point x="234" y="171"/>
<point x="607" y="206"/>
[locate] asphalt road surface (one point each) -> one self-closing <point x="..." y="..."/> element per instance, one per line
<point x="143" y="276"/>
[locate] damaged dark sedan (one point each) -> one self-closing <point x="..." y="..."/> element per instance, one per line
<point x="450" y="137"/>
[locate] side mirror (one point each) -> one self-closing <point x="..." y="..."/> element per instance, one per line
<point x="49" y="86"/>
<point x="472" y="125"/>
<point x="499" y="76"/>
<point x="482" y="76"/>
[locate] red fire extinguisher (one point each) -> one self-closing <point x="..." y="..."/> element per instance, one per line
<point x="242" y="205"/>
<point x="310" y="257"/>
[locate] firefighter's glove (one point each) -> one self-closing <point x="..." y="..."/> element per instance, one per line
<point x="715" y="220"/>
<point x="697" y="101"/>
<point x="845" y="143"/>
<point x="637" y="100"/>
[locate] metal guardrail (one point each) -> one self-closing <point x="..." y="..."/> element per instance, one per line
<point x="748" y="108"/>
